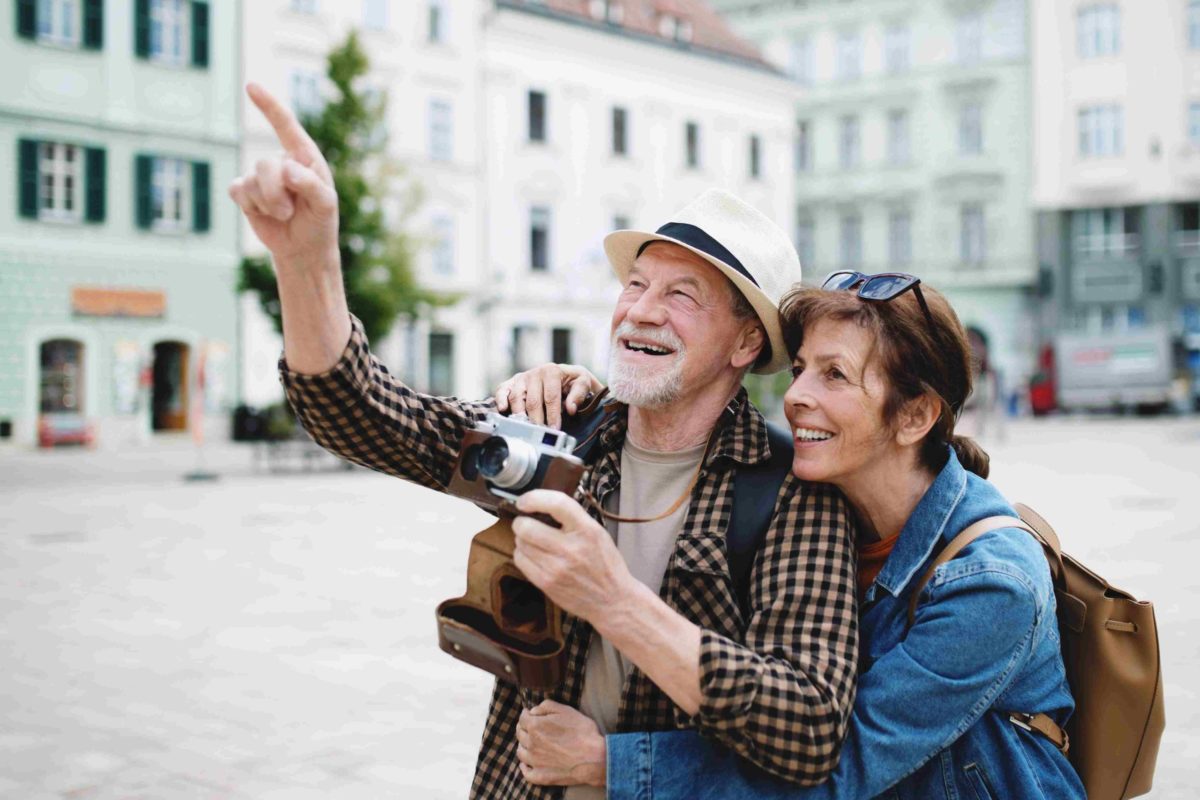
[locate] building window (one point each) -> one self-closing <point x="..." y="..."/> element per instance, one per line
<point x="525" y="350"/>
<point x="539" y="239"/>
<point x="304" y="6"/>
<point x="850" y="256"/>
<point x="1101" y="131"/>
<point x="896" y="46"/>
<point x="800" y="60"/>
<point x="620" y="122"/>
<point x="1187" y="234"/>
<point x="900" y="238"/>
<point x="806" y="232"/>
<point x="436" y="21"/>
<point x="972" y="238"/>
<point x="560" y="346"/>
<point x="441" y="130"/>
<point x="170" y="193"/>
<point x="441" y="364"/>
<point x="1194" y="24"/>
<point x="58" y="21"/>
<point x="306" y="94"/>
<point x="692" y="144"/>
<point x="755" y="157"/>
<point x="970" y="129"/>
<point x="849" y="55"/>
<point x="1194" y="125"/>
<point x="849" y="143"/>
<point x="1098" y="30"/>
<point x="1104" y="232"/>
<point x="609" y="11"/>
<point x="674" y="28"/>
<point x="804" y="154"/>
<point x="443" y="245"/>
<point x="968" y="37"/>
<point x="375" y="15"/>
<point x="60" y="181"/>
<point x="620" y="222"/>
<point x="168" y="31"/>
<point x="536" y="108"/>
<point x="899" y="141"/>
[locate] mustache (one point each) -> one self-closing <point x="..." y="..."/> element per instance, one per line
<point x="659" y="336"/>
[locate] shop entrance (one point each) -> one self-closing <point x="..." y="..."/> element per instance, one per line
<point x="169" y="390"/>
<point x="62" y="377"/>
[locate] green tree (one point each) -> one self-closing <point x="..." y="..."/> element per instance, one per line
<point x="377" y="263"/>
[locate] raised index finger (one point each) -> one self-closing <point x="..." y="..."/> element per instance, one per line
<point x="291" y="133"/>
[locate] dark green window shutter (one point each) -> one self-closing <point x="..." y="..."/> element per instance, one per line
<point x="141" y="28"/>
<point x="200" y="196"/>
<point x="94" y="206"/>
<point x="27" y="19"/>
<point x="93" y="24"/>
<point x="199" y="34"/>
<point x="145" y="203"/>
<point x="28" y="190"/>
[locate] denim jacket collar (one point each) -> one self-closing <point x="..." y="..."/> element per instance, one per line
<point x="924" y="528"/>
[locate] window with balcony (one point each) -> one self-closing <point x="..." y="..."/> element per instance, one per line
<point x="849" y="55"/>
<point x="536" y="115"/>
<point x="1105" y="233"/>
<point x="899" y="238"/>
<point x="897" y="48"/>
<point x="1101" y="131"/>
<point x="800" y="60"/>
<point x="850" y="252"/>
<point x="972" y="235"/>
<point x="849" y="142"/>
<point x="539" y="239"/>
<point x="970" y="129"/>
<point x="1098" y="30"/>
<point x="968" y="37"/>
<point x="899" y="145"/>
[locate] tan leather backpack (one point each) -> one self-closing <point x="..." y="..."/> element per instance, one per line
<point x="1110" y="649"/>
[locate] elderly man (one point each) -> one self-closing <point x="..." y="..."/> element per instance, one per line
<point x="656" y="636"/>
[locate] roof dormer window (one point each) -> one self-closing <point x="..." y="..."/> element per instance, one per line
<point x="672" y="26"/>
<point x="609" y="11"/>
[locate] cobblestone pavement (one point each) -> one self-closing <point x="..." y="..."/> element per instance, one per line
<point x="271" y="635"/>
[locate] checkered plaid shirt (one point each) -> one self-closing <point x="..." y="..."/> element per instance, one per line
<point x="777" y="687"/>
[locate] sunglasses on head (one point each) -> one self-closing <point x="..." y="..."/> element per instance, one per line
<point x="881" y="287"/>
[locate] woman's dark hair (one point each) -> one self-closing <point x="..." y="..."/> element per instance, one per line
<point x="916" y="358"/>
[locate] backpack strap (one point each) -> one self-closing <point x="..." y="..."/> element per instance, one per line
<point x="755" y="490"/>
<point x="1035" y="723"/>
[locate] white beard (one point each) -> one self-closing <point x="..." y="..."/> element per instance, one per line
<point x="645" y="385"/>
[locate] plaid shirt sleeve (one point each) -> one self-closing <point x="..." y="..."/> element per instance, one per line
<point x="783" y="697"/>
<point x="359" y="411"/>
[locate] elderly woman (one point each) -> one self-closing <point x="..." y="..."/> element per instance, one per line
<point x="881" y="371"/>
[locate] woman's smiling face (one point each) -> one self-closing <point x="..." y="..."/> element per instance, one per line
<point x="835" y="404"/>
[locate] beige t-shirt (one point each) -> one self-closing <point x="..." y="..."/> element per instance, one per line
<point x="650" y="482"/>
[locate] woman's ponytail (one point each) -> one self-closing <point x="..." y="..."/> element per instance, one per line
<point x="971" y="455"/>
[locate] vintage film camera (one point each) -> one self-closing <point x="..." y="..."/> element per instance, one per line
<point x="504" y="624"/>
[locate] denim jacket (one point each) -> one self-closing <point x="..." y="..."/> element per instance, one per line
<point x="929" y="721"/>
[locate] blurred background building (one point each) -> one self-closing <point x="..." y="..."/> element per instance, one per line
<point x="118" y="251"/>
<point x="912" y="148"/>
<point x="1038" y="161"/>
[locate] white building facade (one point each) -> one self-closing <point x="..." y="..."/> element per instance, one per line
<point x="1117" y="154"/>
<point x="533" y="129"/>
<point x="912" y="149"/>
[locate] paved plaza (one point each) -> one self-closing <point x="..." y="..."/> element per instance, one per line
<point x="271" y="635"/>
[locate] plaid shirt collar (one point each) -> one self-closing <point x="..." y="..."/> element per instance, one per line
<point x="741" y="432"/>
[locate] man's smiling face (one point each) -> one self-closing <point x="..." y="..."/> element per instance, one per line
<point x="673" y="330"/>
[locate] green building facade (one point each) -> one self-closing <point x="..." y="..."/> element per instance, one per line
<point x="118" y="246"/>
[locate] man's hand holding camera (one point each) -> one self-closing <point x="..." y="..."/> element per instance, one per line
<point x="578" y="565"/>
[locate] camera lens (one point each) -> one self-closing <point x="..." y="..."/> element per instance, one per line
<point x="507" y="463"/>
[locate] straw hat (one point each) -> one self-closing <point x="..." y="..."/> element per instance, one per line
<point x="735" y="238"/>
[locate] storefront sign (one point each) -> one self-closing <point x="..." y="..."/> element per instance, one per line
<point x="92" y="302"/>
